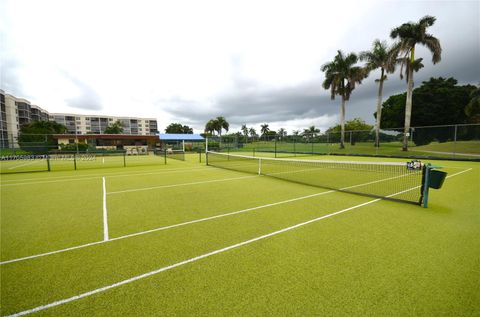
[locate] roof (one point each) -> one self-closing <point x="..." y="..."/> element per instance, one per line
<point x="180" y="137"/>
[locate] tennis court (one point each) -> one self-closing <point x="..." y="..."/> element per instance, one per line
<point x="185" y="238"/>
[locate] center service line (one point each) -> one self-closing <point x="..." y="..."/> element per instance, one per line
<point x="194" y="259"/>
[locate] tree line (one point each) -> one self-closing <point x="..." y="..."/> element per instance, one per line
<point x="342" y="74"/>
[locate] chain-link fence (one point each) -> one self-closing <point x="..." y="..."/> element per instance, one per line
<point x="460" y="142"/>
<point x="40" y="152"/>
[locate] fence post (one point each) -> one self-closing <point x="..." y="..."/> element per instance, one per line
<point x="294" y="145"/>
<point x="455" y="141"/>
<point x="328" y="142"/>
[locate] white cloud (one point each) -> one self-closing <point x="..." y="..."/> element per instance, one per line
<point x="139" y="57"/>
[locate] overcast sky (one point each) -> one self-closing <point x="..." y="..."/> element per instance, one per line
<point x="253" y="62"/>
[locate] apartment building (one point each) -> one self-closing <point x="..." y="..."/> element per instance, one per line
<point x="94" y="124"/>
<point x="17" y="111"/>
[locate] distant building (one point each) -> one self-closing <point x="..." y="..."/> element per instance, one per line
<point x="17" y="111"/>
<point x="94" y="124"/>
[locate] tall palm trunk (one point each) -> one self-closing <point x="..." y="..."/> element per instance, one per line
<point x="342" y="123"/>
<point x="408" y="104"/>
<point x="379" y="110"/>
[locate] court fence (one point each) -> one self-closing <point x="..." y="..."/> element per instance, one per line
<point x="452" y="142"/>
<point x="32" y="152"/>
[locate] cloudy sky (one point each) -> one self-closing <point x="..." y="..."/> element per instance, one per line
<point x="253" y="62"/>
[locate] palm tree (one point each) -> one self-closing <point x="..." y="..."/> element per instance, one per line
<point x="245" y="131"/>
<point x="341" y="76"/>
<point x="221" y="124"/>
<point x="311" y="132"/>
<point x="282" y="133"/>
<point x="410" y="34"/>
<point x="253" y="132"/>
<point x="210" y="127"/>
<point x="379" y="57"/>
<point x="264" y="130"/>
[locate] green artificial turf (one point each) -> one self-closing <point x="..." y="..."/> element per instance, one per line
<point x="382" y="259"/>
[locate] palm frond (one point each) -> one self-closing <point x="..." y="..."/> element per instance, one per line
<point x="434" y="46"/>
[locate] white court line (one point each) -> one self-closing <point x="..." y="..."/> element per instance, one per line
<point x="163" y="228"/>
<point x="109" y="176"/>
<point x="96" y="175"/>
<point x="194" y="259"/>
<point x="188" y="222"/>
<point x="17" y="166"/>
<point x="181" y="184"/>
<point x="105" y="217"/>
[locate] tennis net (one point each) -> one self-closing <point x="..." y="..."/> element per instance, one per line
<point x="390" y="180"/>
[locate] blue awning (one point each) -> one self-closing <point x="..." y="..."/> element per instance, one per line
<point x="180" y="137"/>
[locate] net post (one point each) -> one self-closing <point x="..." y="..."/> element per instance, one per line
<point x="259" y="166"/>
<point x="426" y="185"/>
<point x="165" y="156"/>
<point x="125" y="159"/>
<point x="206" y="158"/>
<point x="74" y="161"/>
<point x="275" y="148"/>
<point x="48" y="162"/>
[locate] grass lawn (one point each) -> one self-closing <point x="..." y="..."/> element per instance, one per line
<point x="189" y="239"/>
<point x="463" y="149"/>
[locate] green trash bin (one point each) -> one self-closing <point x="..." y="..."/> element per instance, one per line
<point x="436" y="179"/>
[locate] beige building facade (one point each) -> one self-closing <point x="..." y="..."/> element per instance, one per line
<point x="17" y="111"/>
